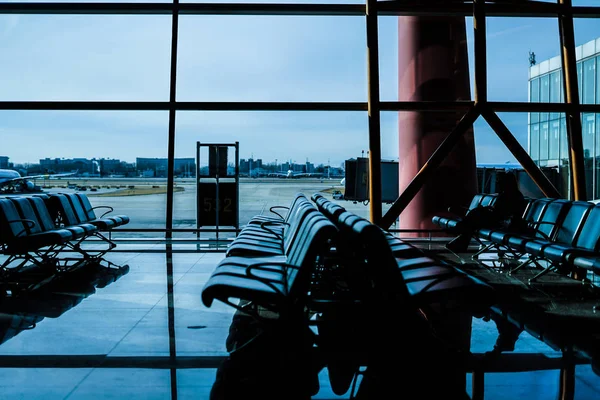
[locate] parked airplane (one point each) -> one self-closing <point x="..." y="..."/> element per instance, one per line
<point x="292" y="174"/>
<point x="11" y="181"/>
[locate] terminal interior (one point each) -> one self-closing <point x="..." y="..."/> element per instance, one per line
<point x="129" y="303"/>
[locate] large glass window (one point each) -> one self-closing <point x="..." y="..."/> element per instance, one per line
<point x="544" y="94"/>
<point x="564" y="142"/>
<point x="249" y="62"/>
<point x="553" y="140"/>
<point x="534" y="141"/>
<point x="588" y="130"/>
<point x="555" y="90"/>
<point x="544" y="128"/>
<point x="589" y="76"/>
<point x="597" y="80"/>
<point x="580" y="79"/>
<point x="534" y="96"/>
<point x="85" y="57"/>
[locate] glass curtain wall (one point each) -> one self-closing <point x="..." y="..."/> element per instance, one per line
<point x="548" y="145"/>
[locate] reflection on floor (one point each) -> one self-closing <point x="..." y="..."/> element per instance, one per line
<point x="123" y="340"/>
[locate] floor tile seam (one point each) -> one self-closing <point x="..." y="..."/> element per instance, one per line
<point x="78" y="384"/>
<point x="135" y="325"/>
<point x="186" y="272"/>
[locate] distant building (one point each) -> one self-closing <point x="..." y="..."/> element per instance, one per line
<point x="4" y="162"/>
<point x="547" y="133"/>
<point x="182" y="166"/>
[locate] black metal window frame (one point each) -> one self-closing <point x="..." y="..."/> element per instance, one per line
<point x="563" y="11"/>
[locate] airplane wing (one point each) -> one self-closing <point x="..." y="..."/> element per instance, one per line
<point x="46" y="176"/>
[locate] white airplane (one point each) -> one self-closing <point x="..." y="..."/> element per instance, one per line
<point x="292" y="174"/>
<point x="12" y="181"/>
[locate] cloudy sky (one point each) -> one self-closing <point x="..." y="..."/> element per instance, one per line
<point x="231" y="58"/>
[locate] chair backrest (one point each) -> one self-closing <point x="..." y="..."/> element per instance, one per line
<point x="315" y="238"/>
<point x="59" y="204"/>
<point x="298" y="215"/>
<point x="86" y="205"/>
<point x="476" y="201"/>
<point x="488" y="199"/>
<point x="41" y="209"/>
<point x="369" y="246"/>
<point x="572" y="223"/>
<point x="536" y="208"/>
<point x="553" y="215"/>
<point x="11" y="223"/>
<point x="26" y="211"/>
<point x="330" y="209"/>
<point x="78" y="208"/>
<point x="589" y="235"/>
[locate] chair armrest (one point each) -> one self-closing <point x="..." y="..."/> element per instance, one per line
<point x="269" y="283"/>
<point x="263" y="225"/>
<point x="276" y="213"/>
<point x="535" y="224"/>
<point x="110" y="209"/>
<point x="28" y="221"/>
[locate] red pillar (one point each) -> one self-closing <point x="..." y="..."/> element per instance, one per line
<point x="433" y="65"/>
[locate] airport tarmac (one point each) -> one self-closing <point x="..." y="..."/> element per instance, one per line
<point x="256" y="197"/>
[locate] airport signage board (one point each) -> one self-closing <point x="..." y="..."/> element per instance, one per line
<point x="222" y="203"/>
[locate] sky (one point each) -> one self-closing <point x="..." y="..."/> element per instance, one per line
<point x="232" y="58"/>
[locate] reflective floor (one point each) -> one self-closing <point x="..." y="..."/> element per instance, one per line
<point x="146" y="336"/>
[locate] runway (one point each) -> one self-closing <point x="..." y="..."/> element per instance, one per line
<point x="149" y="211"/>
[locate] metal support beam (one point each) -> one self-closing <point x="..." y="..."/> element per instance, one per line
<point x="571" y="90"/>
<point x="432" y="163"/>
<point x="480" y="52"/>
<point x="520" y="154"/>
<point x="375" y="206"/>
<point x="172" y="113"/>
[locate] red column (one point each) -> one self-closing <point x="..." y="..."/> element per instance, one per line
<point x="433" y="65"/>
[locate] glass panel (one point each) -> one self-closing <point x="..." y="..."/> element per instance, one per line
<point x="544" y="94"/>
<point x="85" y="57"/>
<point x="271" y="145"/>
<point x="102" y="148"/>
<point x="564" y="142"/>
<point x="555" y="89"/>
<point x="589" y="75"/>
<point x="534" y="141"/>
<point x="597" y="80"/>
<point x="580" y="79"/>
<point x="544" y="140"/>
<point x="534" y="95"/>
<point x="388" y="58"/>
<point x="588" y="131"/>
<point x="272" y="58"/>
<point x="554" y="140"/>
<point x="597" y="154"/>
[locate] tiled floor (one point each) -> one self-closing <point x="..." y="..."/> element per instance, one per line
<point x="122" y="343"/>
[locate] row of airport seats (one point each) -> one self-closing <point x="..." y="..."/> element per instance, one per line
<point x="563" y="233"/>
<point x="43" y="236"/>
<point x="321" y="265"/>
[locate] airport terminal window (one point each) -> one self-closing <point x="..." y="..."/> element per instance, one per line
<point x="598" y="135"/>
<point x="554" y="140"/>
<point x="534" y="142"/>
<point x="598" y="80"/>
<point x="555" y="90"/>
<point x="534" y="95"/>
<point x="564" y="142"/>
<point x="544" y="140"/>
<point x="588" y="128"/>
<point x="589" y="75"/>
<point x="85" y="58"/>
<point x="544" y="94"/>
<point x="580" y="79"/>
<point x="249" y="63"/>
